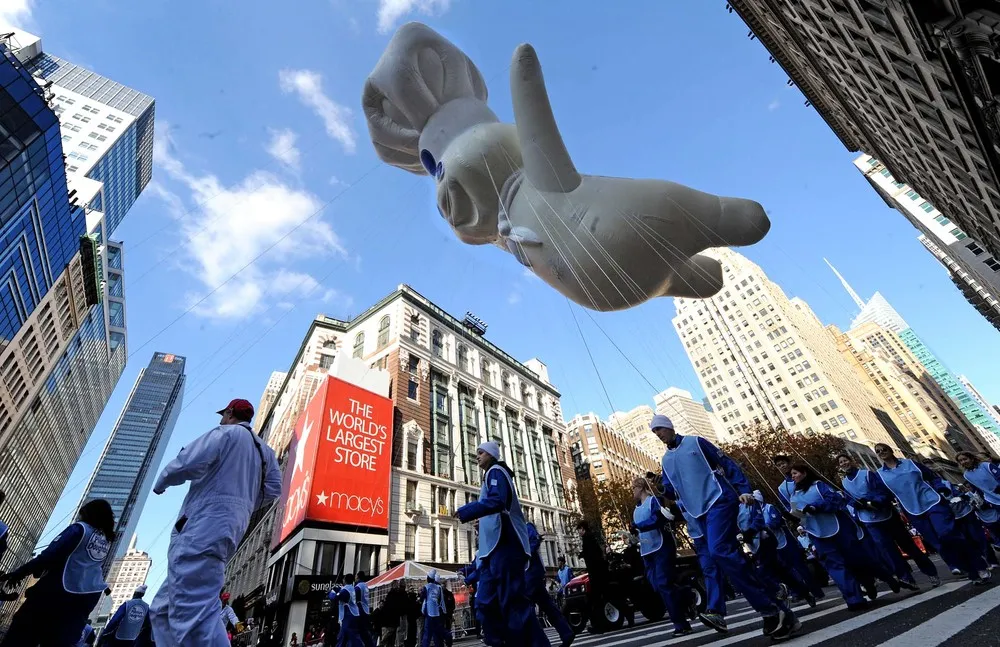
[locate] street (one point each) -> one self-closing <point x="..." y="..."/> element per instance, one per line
<point x="956" y="613"/>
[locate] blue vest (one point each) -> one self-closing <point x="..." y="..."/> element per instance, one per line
<point x="786" y="488"/>
<point x="780" y="532"/>
<point x="82" y="572"/>
<point x="491" y="524"/>
<point x="859" y="489"/>
<point x="743" y="519"/>
<point x="687" y="469"/>
<point x="433" y="600"/>
<point x="983" y="479"/>
<point x="565" y="575"/>
<point x="88" y="631"/>
<point x="132" y="620"/>
<point x="817" y="524"/>
<point x="907" y="483"/>
<point x="695" y="530"/>
<point x="351" y="605"/>
<point x="362" y="589"/>
<point x="962" y="508"/>
<point x="650" y="541"/>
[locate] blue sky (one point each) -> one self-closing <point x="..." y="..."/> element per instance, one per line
<point x="259" y="125"/>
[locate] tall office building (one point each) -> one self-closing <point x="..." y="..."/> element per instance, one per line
<point x="606" y="452"/>
<point x="270" y="394"/>
<point x="765" y="359"/>
<point x="689" y="416"/>
<point x="128" y="466"/>
<point x="634" y="426"/>
<point x="54" y="405"/>
<point x="46" y="296"/>
<point x="969" y="265"/>
<point x="877" y="310"/>
<point x="452" y="388"/>
<point x="930" y="421"/>
<point x="911" y="82"/>
<point x="979" y="398"/>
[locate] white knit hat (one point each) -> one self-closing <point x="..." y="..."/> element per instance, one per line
<point x="491" y="448"/>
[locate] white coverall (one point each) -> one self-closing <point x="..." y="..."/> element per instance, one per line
<point x="225" y="469"/>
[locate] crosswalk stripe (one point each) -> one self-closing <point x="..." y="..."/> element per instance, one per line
<point x="945" y="625"/>
<point x="864" y="619"/>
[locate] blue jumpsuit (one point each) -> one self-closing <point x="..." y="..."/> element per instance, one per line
<point x="535" y="583"/>
<point x="349" y="617"/>
<point x="433" y="611"/>
<point x="838" y="540"/>
<point x="968" y="525"/>
<point x="70" y="585"/>
<point x="753" y="520"/>
<point x="659" y="555"/>
<point x="505" y="611"/>
<point x="128" y="627"/>
<point x="715" y="586"/>
<point x="232" y="472"/>
<point x="364" y="611"/>
<point x="985" y="479"/>
<point x="918" y="490"/>
<point x="876" y="512"/>
<point x="708" y="484"/>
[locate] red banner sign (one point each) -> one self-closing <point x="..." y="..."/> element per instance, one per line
<point x="339" y="465"/>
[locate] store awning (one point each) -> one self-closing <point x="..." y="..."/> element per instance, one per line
<point x="410" y="570"/>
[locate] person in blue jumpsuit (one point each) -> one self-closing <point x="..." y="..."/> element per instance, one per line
<point x="232" y="472"/>
<point x="921" y="494"/>
<point x="783" y="464"/>
<point x="502" y="603"/>
<point x="838" y="539"/>
<point x="129" y="626"/>
<point x="70" y="581"/>
<point x="968" y="524"/>
<point x="710" y="486"/>
<point x="364" y="611"/>
<point x="88" y="636"/>
<point x="715" y="587"/>
<point x="470" y="575"/>
<point x="762" y="527"/>
<point x="535" y="583"/>
<point x="983" y="477"/>
<point x="874" y="504"/>
<point x="564" y="574"/>
<point x="432" y="608"/>
<point x="659" y="554"/>
<point x="347" y="613"/>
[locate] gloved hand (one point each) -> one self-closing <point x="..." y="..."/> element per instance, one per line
<point x="809" y="509"/>
<point x="667" y="514"/>
<point x="955" y="500"/>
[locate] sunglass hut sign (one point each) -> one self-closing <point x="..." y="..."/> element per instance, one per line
<point x="339" y="470"/>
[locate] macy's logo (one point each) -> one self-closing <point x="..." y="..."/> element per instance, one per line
<point x="352" y="502"/>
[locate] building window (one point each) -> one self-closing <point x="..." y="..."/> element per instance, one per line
<point x="508" y="388"/>
<point x="487" y="376"/>
<point x="383" y="332"/>
<point x="411" y="456"/>
<point x="410" y="551"/>
<point x="411" y="494"/>
<point x="441" y="430"/>
<point x="326" y="361"/>
<point x="463" y="358"/>
<point x="437" y="344"/>
<point x="359" y="345"/>
<point x="927" y="206"/>
<point x="411" y="389"/>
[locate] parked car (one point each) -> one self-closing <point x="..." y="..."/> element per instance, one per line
<point x="628" y="591"/>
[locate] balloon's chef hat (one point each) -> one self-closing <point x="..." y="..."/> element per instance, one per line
<point x="423" y="93"/>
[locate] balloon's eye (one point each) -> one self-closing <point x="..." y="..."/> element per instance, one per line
<point x="439" y="171"/>
<point x="428" y="161"/>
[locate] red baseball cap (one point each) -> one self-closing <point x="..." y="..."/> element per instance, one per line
<point x="240" y="408"/>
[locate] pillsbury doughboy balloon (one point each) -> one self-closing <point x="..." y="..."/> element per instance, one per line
<point x="606" y="243"/>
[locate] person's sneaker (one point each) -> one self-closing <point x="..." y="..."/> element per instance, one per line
<point x="985" y="575"/>
<point x="909" y="586"/>
<point x="775" y="622"/>
<point x="935" y="581"/>
<point x="871" y="590"/>
<point x="790" y="625"/>
<point x="714" y="620"/>
<point x="810" y="599"/>
<point x="864" y="605"/>
<point x="683" y="631"/>
<point x="956" y="571"/>
<point x="895" y="585"/>
<point x="782" y="592"/>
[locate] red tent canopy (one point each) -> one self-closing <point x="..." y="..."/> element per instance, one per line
<point x="410" y="570"/>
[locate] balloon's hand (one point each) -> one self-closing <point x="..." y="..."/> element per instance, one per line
<point x="747" y="498"/>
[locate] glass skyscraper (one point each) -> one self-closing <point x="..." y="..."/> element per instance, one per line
<point x="126" y="470"/>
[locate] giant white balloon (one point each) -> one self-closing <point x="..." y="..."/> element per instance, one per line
<point x="606" y="243"/>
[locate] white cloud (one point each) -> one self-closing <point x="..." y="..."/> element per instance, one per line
<point x="231" y="226"/>
<point x="774" y="105"/>
<point x="282" y="147"/>
<point x="514" y="298"/>
<point x="308" y="86"/>
<point x="389" y="11"/>
<point x="15" y="13"/>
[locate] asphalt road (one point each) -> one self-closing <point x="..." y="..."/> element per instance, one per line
<point x="954" y="614"/>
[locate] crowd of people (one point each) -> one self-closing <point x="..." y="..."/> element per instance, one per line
<point x="856" y="533"/>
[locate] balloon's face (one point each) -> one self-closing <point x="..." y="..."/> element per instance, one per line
<point x="470" y="176"/>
